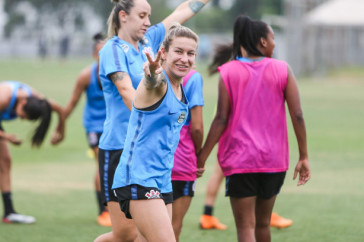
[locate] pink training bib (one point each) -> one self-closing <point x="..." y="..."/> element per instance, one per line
<point x="185" y="160"/>
<point x="255" y="139"/>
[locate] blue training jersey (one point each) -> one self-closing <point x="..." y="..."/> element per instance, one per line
<point x="120" y="56"/>
<point x="151" y="141"/>
<point x="9" y="112"/>
<point x="94" y="113"/>
<point x="194" y="92"/>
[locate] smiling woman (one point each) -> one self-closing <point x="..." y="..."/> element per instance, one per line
<point x="142" y="180"/>
<point x="121" y="70"/>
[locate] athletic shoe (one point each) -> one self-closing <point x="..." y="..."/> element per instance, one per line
<point x="104" y="219"/>
<point x="18" y="218"/>
<point x="211" y="222"/>
<point x="279" y="222"/>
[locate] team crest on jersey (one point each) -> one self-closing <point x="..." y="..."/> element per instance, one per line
<point x="125" y="47"/>
<point x="181" y="117"/>
<point x="152" y="194"/>
<point x="144" y="41"/>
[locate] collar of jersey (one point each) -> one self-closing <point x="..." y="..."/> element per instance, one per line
<point x="249" y="60"/>
<point x="120" y="41"/>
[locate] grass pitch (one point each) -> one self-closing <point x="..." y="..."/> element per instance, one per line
<point x="55" y="183"/>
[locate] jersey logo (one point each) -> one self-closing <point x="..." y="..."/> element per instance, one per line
<point x="144" y="41"/>
<point x="152" y="194"/>
<point x="181" y="117"/>
<point x="125" y="47"/>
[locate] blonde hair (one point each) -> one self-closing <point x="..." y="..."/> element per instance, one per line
<point x="177" y="30"/>
<point x="113" y="22"/>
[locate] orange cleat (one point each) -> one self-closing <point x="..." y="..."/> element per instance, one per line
<point x="279" y="222"/>
<point x="104" y="219"/>
<point x="211" y="222"/>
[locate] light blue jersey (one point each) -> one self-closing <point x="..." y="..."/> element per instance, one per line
<point x="193" y="88"/>
<point x="151" y="141"/>
<point x="120" y="56"/>
<point x="9" y="112"/>
<point x="94" y="113"/>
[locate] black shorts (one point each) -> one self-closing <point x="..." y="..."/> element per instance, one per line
<point x="183" y="188"/>
<point x="108" y="161"/>
<point x="262" y="185"/>
<point x="137" y="192"/>
<point x="93" y="139"/>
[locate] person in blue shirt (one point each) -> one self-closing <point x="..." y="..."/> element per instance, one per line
<point x="185" y="158"/>
<point x="142" y="181"/>
<point x="94" y="115"/>
<point x="19" y="100"/>
<point x="121" y="70"/>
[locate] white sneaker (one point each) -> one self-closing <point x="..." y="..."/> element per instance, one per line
<point x="18" y="218"/>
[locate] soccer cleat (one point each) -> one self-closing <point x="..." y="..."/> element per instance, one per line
<point x="211" y="222"/>
<point x="18" y="218"/>
<point x="279" y="222"/>
<point x="104" y="219"/>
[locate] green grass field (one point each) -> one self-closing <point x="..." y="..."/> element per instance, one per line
<point x="55" y="183"/>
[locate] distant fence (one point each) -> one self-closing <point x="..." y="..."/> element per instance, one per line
<point x="312" y="49"/>
<point x="14" y="48"/>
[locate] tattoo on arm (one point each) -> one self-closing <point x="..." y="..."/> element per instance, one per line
<point x="196" y="6"/>
<point x="154" y="81"/>
<point x="117" y="76"/>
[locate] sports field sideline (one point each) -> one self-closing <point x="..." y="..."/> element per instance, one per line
<point x="54" y="184"/>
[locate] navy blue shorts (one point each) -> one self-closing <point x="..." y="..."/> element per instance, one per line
<point x="261" y="185"/>
<point x="183" y="188"/>
<point x="137" y="192"/>
<point x="108" y="161"/>
<point x="93" y="139"/>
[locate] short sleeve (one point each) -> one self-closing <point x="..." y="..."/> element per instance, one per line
<point x="194" y="90"/>
<point x="112" y="59"/>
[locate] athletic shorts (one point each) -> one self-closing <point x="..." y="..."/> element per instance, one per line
<point x="262" y="185"/>
<point x="183" y="188"/>
<point x="108" y="161"/>
<point x="93" y="139"/>
<point x="137" y="192"/>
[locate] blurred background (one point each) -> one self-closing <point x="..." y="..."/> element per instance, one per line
<point x="312" y="35"/>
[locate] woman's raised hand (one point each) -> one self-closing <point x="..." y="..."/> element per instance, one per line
<point x="152" y="67"/>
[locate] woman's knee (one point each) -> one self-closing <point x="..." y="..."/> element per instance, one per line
<point x="264" y="223"/>
<point x="177" y="228"/>
<point x="125" y="234"/>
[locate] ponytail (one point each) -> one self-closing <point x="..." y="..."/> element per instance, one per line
<point x="247" y="34"/>
<point x="113" y="22"/>
<point x="223" y="54"/>
<point x="36" y="108"/>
